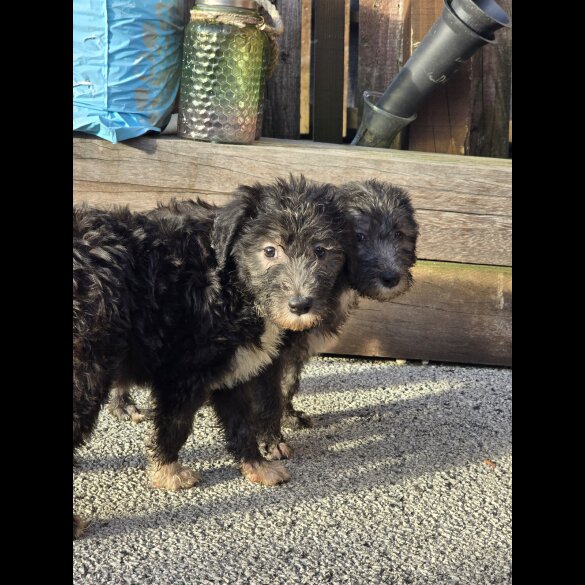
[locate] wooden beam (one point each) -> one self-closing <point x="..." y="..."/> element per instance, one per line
<point x="283" y="90"/>
<point x="491" y="95"/>
<point x="454" y="312"/>
<point x="463" y="203"/>
<point x="328" y="35"/>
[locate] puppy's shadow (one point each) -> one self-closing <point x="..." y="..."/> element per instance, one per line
<point x="372" y="378"/>
<point x="355" y="451"/>
<point x="447" y="429"/>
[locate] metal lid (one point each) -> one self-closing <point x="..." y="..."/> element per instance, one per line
<point x="249" y="4"/>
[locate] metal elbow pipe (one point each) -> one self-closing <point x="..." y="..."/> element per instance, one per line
<point x="463" y="27"/>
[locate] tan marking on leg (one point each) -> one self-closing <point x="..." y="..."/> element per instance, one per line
<point x="137" y="416"/>
<point x="279" y="451"/>
<point x="79" y="526"/>
<point x="265" y="472"/>
<point x="173" y="476"/>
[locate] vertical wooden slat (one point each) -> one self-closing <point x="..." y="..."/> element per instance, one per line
<point x="328" y="35"/>
<point x="345" y="66"/>
<point x="443" y="121"/>
<point x="283" y="91"/>
<point x="305" y="114"/>
<point x="354" y="19"/>
<point x="187" y="5"/>
<point x="380" y="44"/>
<point x="381" y="48"/>
<point x="352" y="69"/>
<point x="491" y="93"/>
<point x="406" y="31"/>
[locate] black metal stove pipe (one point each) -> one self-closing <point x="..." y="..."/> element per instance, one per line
<point x="463" y="27"/>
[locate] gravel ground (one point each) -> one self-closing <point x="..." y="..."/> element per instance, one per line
<point x="405" y="478"/>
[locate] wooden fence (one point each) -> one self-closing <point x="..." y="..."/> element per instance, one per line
<point x="334" y="50"/>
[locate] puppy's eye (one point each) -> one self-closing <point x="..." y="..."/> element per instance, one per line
<point x="320" y="251"/>
<point x="360" y="237"/>
<point x="398" y="235"/>
<point x="270" y="252"/>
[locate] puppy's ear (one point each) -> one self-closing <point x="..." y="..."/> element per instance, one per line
<point x="229" y="221"/>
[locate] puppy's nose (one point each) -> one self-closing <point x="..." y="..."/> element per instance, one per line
<point x="390" y="279"/>
<point x="300" y="305"/>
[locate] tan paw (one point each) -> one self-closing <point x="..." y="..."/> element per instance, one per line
<point x="138" y="417"/>
<point x="265" y="472"/>
<point x="278" y="451"/>
<point x="79" y="526"/>
<point x="125" y="412"/>
<point x="173" y="476"/>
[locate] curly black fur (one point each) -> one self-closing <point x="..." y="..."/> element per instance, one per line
<point x="187" y="299"/>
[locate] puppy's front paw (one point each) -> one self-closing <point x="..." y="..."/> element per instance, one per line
<point x="79" y="526"/>
<point x="276" y="450"/>
<point x="173" y="476"/>
<point x="125" y="412"/>
<point x="265" y="472"/>
<point x="296" y="419"/>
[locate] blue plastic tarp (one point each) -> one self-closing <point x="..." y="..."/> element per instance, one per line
<point x="126" y="65"/>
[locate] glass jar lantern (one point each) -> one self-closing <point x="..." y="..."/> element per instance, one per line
<point x="225" y="56"/>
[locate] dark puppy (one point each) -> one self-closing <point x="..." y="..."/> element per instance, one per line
<point x="194" y="298"/>
<point x="385" y="239"/>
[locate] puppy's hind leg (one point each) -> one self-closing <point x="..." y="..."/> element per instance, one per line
<point x="233" y="409"/>
<point x="79" y="526"/>
<point x="122" y="407"/>
<point x="173" y="421"/>
<point x="89" y="392"/>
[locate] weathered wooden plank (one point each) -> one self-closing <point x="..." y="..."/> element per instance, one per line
<point x="328" y="35"/>
<point x="305" y="113"/>
<point x="443" y="121"/>
<point x="381" y="48"/>
<point x="138" y="197"/>
<point x="454" y="312"/>
<point x="283" y="89"/>
<point x="345" y="66"/>
<point x="490" y="95"/>
<point x="352" y="70"/>
<point x="381" y="51"/>
<point x="463" y="203"/>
